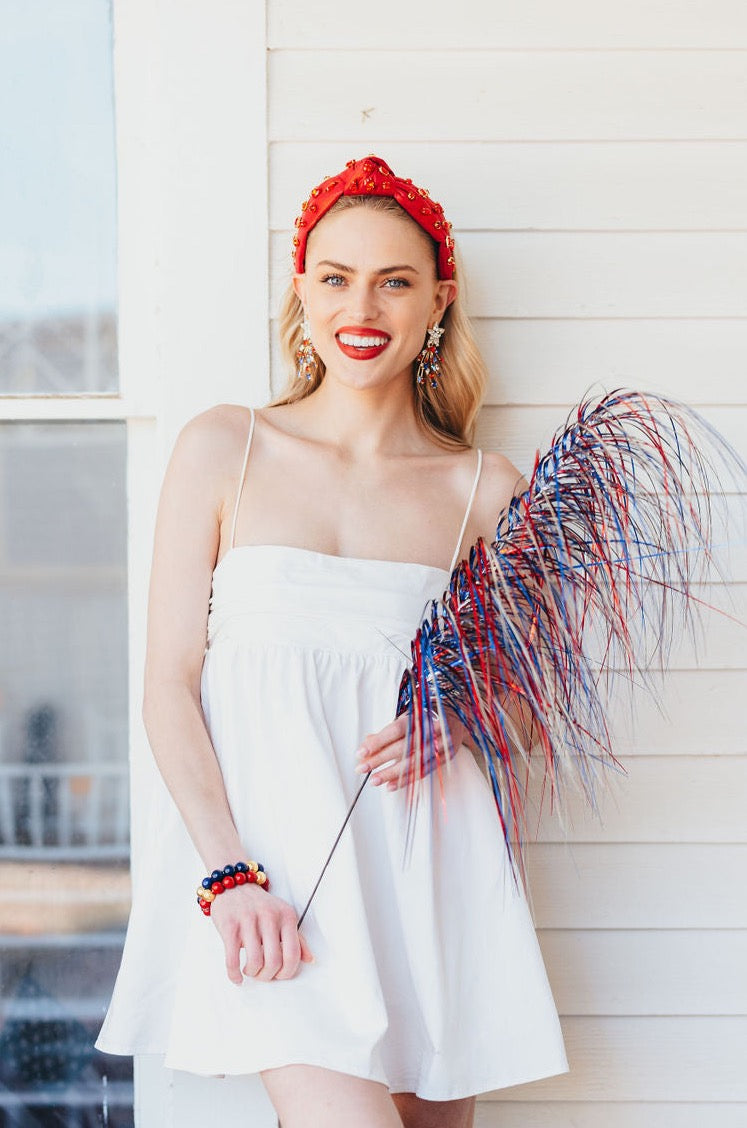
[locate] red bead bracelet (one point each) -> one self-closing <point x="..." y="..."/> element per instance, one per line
<point x="242" y="873"/>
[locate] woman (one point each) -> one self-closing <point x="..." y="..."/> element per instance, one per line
<point x="303" y="541"/>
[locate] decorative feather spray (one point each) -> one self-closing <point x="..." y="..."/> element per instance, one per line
<point x="590" y="574"/>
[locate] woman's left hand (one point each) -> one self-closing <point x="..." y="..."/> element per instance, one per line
<point x="385" y="752"/>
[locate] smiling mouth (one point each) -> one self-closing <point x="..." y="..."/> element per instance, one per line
<point x="356" y="342"/>
<point x="361" y="345"/>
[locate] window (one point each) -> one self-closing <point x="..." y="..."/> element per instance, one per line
<point x="63" y="580"/>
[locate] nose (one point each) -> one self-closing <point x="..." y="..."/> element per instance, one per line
<point x="362" y="299"/>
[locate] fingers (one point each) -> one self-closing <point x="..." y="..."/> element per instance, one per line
<point x="235" y="937"/>
<point x="282" y="947"/>
<point x="385" y="753"/>
<point x="395" y="730"/>
<point x="306" y="955"/>
<point x="232" y="946"/>
<point x="272" y="952"/>
<point x="254" y="958"/>
<point x="291" y="948"/>
<point x="268" y="933"/>
<point x="376" y="748"/>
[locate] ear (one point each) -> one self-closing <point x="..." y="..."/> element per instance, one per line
<point x="299" y="285"/>
<point x="446" y="291"/>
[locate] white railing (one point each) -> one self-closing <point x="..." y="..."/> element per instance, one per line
<point x="73" y="1105"/>
<point x="78" y="811"/>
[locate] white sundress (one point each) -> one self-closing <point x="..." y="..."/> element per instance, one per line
<point x="427" y="975"/>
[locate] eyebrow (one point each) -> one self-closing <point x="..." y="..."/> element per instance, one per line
<point x="385" y="270"/>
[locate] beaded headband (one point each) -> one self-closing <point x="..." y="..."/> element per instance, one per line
<point x="373" y="177"/>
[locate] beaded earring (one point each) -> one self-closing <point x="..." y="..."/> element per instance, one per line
<point x="429" y="358"/>
<point x="305" y="356"/>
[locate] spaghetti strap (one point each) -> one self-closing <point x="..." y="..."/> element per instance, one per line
<point x="468" y="510"/>
<point x="241" y="479"/>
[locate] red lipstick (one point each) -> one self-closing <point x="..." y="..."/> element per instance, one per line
<point x="361" y="343"/>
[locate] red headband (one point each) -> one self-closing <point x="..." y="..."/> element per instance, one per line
<point x="373" y="177"/>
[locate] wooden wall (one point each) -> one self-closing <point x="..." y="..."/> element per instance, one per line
<point x="593" y="159"/>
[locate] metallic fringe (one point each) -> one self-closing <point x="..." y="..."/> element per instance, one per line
<point x="590" y="572"/>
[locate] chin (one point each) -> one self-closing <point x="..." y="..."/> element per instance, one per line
<point x="367" y="374"/>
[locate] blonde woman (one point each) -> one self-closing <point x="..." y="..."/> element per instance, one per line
<point x="296" y="548"/>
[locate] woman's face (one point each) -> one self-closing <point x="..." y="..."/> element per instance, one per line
<point x="370" y="292"/>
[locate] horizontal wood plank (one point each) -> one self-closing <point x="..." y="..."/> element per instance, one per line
<point x="647" y="972"/>
<point x="605" y="275"/>
<point x="511" y="24"/>
<point x="660" y="799"/>
<point x="604" y="186"/>
<point x="519" y="431"/>
<point x="696" y="712"/>
<point x="621" y="1114"/>
<point x="518" y="95"/>
<point x="549" y="361"/>
<point x="647" y="1059"/>
<point x="580" y="275"/>
<point x="583" y="885"/>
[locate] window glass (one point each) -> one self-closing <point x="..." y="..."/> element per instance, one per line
<point x="57" y="198"/>
<point x="64" y="889"/>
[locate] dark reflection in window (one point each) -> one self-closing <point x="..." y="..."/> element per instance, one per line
<point x="64" y="885"/>
<point x="58" y="326"/>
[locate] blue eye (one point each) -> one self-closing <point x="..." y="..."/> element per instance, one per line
<point x="396" y="283"/>
<point x="333" y="279"/>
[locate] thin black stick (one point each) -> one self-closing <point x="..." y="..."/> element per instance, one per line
<point x="334" y="847"/>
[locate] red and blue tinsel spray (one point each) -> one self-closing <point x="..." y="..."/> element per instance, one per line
<point x="588" y="581"/>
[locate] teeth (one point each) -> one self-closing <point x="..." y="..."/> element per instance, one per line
<point x="361" y="342"/>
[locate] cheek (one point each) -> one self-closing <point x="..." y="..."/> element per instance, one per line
<point x="324" y="302"/>
<point x="414" y="329"/>
<point x="410" y="314"/>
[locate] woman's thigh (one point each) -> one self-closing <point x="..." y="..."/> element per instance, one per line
<point x="305" y="1096"/>
<point x="417" y="1113"/>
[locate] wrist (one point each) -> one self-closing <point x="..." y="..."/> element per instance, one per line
<point x="223" y="852"/>
<point x="233" y="875"/>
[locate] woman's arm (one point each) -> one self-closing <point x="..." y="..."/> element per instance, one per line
<point x="198" y="487"/>
<point x="187" y="537"/>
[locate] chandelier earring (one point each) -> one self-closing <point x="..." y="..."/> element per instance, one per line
<point x="429" y="358"/>
<point x="306" y="358"/>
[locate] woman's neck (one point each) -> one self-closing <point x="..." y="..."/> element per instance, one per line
<point x="365" y="422"/>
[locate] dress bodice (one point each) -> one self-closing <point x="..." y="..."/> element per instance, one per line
<point x="280" y="595"/>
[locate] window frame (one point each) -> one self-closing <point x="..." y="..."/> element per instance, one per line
<point x="179" y="111"/>
<point x="173" y="100"/>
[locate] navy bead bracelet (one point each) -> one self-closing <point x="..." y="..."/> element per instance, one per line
<point x="242" y="873"/>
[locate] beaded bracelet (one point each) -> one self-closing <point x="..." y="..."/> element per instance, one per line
<point x="242" y="873"/>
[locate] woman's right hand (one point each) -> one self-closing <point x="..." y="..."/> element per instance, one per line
<point x="266" y="927"/>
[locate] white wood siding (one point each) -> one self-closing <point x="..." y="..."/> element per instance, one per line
<point x="190" y="88"/>
<point x="593" y="159"/>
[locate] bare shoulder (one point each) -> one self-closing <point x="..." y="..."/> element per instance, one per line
<point x="199" y="482"/>
<point x="499" y="481"/>
<point x="206" y="461"/>
<point x="215" y="437"/>
<point x="501" y="478"/>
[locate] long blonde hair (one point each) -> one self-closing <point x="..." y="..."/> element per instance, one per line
<point x="448" y="412"/>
